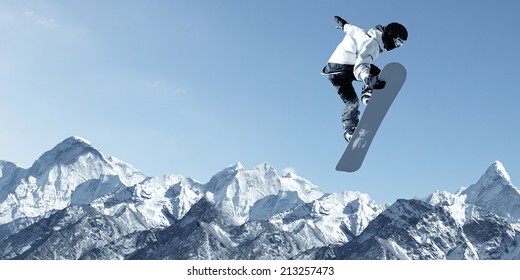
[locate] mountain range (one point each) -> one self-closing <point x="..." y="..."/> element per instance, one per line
<point x="76" y="203"/>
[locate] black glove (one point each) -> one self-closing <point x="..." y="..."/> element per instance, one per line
<point x="341" y="22"/>
<point x="374" y="82"/>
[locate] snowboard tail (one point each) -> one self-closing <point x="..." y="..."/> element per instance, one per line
<point x="394" y="74"/>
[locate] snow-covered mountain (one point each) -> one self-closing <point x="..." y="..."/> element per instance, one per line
<point x="71" y="173"/>
<point x="479" y="222"/>
<point x="76" y="203"/>
<point x="495" y="192"/>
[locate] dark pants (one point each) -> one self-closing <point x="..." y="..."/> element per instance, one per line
<point x="341" y="76"/>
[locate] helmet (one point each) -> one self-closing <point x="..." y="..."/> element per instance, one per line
<point x="394" y="35"/>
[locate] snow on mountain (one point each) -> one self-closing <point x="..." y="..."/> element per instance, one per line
<point x="78" y="175"/>
<point x="332" y="219"/>
<point x="206" y="235"/>
<point x="271" y="205"/>
<point x="305" y="189"/>
<point x="67" y="234"/>
<point x="76" y="203"/>
<point x="76" y="158"/>
<point x="236" y="190"/>
<point x="452" y="202"/>
<point x="474" y="223"/>
<point x="158" y="200"/>
<point x="51" y="181"/>
<point x="74" y="172"/>
<point x="358" y="208"/>
<point x="495" y="193"/>
<point x="409" y="229"/>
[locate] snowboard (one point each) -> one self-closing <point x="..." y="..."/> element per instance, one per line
<point x="394" y="74"/>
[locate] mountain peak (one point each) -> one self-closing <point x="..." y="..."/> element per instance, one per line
<point x="494" y="180"/>
<point x="497" y="172"/>
<point x="236" y="167"/>
<point x="78" y="139"/>
<point x="68" y="151"/>
<point x="70" y="142"/>
<point x="495" y="193"/>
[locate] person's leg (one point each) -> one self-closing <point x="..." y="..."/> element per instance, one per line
<point x="342" y="81"/>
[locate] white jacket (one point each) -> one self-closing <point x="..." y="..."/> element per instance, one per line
<point x="359" y="48"/>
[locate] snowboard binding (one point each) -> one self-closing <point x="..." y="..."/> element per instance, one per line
<point x="366" y="93"/>
<point x="348" y="134"/>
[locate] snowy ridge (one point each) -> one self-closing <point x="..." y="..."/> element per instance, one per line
<point x="76" y="203"/>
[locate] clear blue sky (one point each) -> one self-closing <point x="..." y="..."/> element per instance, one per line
<point x="190" y="87"/>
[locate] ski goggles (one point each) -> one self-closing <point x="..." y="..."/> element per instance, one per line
<point x="398" y="42"/>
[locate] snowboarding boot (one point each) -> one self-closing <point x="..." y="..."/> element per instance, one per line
<point x="366" y="93"/>
<point x="348" y="134"/>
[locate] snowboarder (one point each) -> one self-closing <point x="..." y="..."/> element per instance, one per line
<point x="352" y="60"/>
